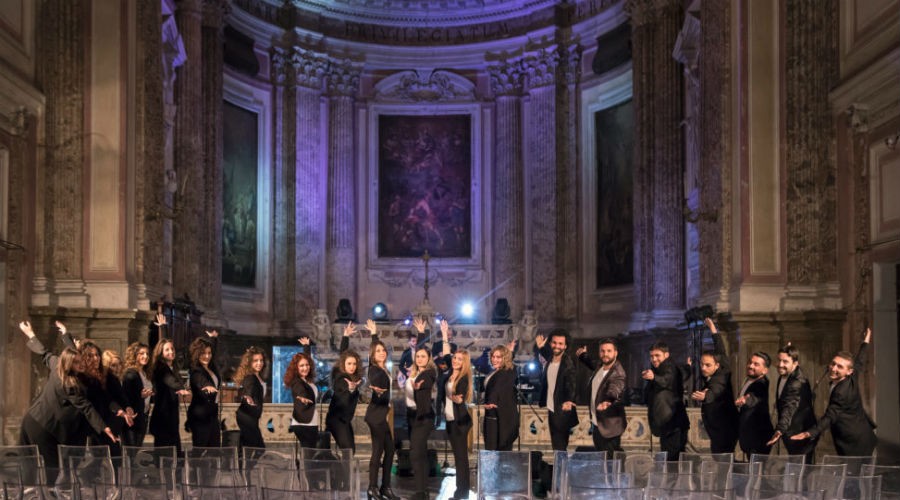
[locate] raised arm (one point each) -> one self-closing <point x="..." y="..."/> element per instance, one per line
<point x="586" y="360"/>
<point x="862" y="355"/>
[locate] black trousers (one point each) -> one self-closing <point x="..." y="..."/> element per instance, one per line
<point x="673" y="443"/>
<point x="342" y="434"/>
<point x="492" y="435"/>
<point x="558" y="424"/>
<point x="33" y="432"/>
<point x="134" y="435"/>
<point x="458" y="435"/>
<point x="206" y="433"/>
<point x="250" y="434"/>
<point x="382" y="454"/>
<point x="806" y="447"/>
<point x="609" y="445"/>
<point x="418" y="451"/>
<point x="308" y="435"/>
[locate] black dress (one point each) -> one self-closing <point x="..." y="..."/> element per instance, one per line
<point x="203" y="412"/>
<point x="132" y="385"/>
<point x="248" y="415"/>
<point x="164" y="419"/>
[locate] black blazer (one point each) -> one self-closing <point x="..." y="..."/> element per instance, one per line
<point x="501" y="391"/>
<point x="720" y="416"/>
<point x="422" y="395"/>
<point x="610" y="422"/>
<point x="132" y="385"/>
<point x="663" y="394"/>
<point x="303" y="412"/>
<point x="343" y="401"/>
<point x="252" y="388"/>
<point x="460" y="410"/>
<point x="203" y="407"/>
<point x="851" y="427"/>
<point x="166" y="383"/>
<point x="564" y="389"/>
<point x="754" y="423"/>
<point x="795" y="405"/>
<point x="62" y="412"/>
<point x="380" y="404"/>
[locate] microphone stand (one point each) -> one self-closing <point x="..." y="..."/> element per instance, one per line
<point x="521" y="399"/>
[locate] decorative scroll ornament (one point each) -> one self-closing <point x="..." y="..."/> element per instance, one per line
<point x="281" y="66"/>
<point x="427" y="86"/>
<point x="310" y="68"/>
<point x="539" y="68"/>
<point x="343" y="78"/>
<point x="506" y="78"/>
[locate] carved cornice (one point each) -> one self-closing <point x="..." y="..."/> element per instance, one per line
<point x="434" y="86"/>
<point x="310" y="68"/>
<point x="506" y="78"/>
<point x="282" y="71"/>
<point x="539" y="68"/>
<point x="343" y="77"/>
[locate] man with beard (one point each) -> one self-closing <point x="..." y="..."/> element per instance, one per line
<point x="851" y="427"/>
<point x="794" y="404"/>
<point x="607" y="388"/>
<point x="558" y="387"/>
<point x="665" y="408"/>
<point x="754" y="424"/>
<point x="716" y="396"/>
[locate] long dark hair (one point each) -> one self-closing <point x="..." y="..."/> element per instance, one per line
<point x="338" y="368"/>
<point x="291" y="374"/>
<point x="157" y="360"/>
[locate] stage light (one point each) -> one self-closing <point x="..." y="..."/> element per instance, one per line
<point x="500" y="315"/>
<point x="532" y="366"/>
<point x="379" y="312"/>
<point x="390" y="365"/>
<point x="438" y="318"/>
<point x="344" y="311"/>
<point x="407" y="321"/>
<point x="320" y="364"/>
<point x="467" y="310"/>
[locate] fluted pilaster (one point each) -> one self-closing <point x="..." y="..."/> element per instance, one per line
<point x="189" y="249"/>
<point x="508" y="257"/>
<point x="309" y="72"/>
<point x="567" y="154"/>
<point x="61" y="77"/>
<point x="343" y="83"/>
<point x="539" y="72"/>
<point x="214" y="12"/>
<point x="811" y="49"/>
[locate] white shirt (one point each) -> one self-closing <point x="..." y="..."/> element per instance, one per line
<point x="781" y="383"/>
<point x="448" y="402"/>
<point x="552" y="372"/>
<point x="315" y="416"/>
<point x="595" y="386"/>
<point x="148" y="384"/>
<point x="409" y="391"/>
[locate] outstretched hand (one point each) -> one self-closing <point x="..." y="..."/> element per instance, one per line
<point x="61" y="326"/>
<point x="212" y="334"/>
<point x="350" y="329"/>
<point x="868" y="337"/>
<point x="303" y="341"/>
<point x="511" y="345"/>
<point x="581" y="350"/>
<point x="445" y="329"/>
<point x="539" y="341"/>
<point x="711" y="325"/>
<point x="26" y="329"/>
<point x="372" y="327"/>
<point x="774" y="439"/>
<point x="160" y="319"/>
<point x="419" y="324"/>
<point x="800" y="437"/>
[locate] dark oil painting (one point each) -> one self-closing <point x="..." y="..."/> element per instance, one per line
<point x="239" y="221"/>
<point x="615" y="141"/>
<point x="424" y="178"/>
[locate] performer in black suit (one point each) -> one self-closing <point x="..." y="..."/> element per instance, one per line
<point x="104" y="391"/>
<point x="851" y="427"/>
<point x="607" y="387"/>
<point x="665" y="408"/>
<point x="716" y="396"/>
<point x="138" y="389"/>
<point x="252" y="396"/>
<point x="501" y="417"/>
<point x="61" y="414"/>
<point x="300" y="377"/>
<point x="203" y="412"/>
<point x="794" y="402"/>
<point x="557" y="387"/>
<point x="754" y="424"/>
<point x="377" y="418"/>
<point x="421" y="379"/>
<point x="406" y="358"/>
<point x="457" y="382"/>
<point x="168" y="388"/>
<point x="346" y="376"/>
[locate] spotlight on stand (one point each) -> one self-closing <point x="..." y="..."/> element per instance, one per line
<point x="438" y="318"/>
<point x="379" y="312"/>
<point x="500" y="315"/>
<point x="697" y="315"/>
<point x="467" y="313"/>
<point x="344" y="312"/>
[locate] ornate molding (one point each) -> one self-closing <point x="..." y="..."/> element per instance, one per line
<point x="539" y="68"/>
<point x="571" y="62"/>
<point x="425" y="86"/>
<point x="506" y="78"/>
<point x="416" y="277"/>
<point x="858" y="118"/>
<point x="310" y="68"/>
<point x="343" y="77"/>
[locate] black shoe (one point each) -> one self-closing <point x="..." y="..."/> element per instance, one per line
<point x="373" y="494"/>
<point x="460" y="495"/>
<point x="387" y="494"/>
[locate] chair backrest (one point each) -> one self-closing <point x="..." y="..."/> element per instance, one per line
<point x="587" y="474"/>
<point x="890" y="478"/>
<point x="25" y="468"/>
<point x="278" y="472"/>
<point x="868" y="487"/>
<point x="322" y="454"/>
<point x="329" y="475"/>
<point x="854" y="464"/>
<point x="280" y="494"/>
<point x="829" y="478"/>
<point x="706" y="457"/>
<point x="25" y="450"/>
<point x="212" y="471"/>
<point x="220" y="492"/>
<point x="226" y="452"/>
<point x="638" y="464"/>
<point x="632" y="493"/>
<point x="773" y="464"/>
<point x="504" y="473"/>
<point x="149" y="491"/>
<point x="744" y="484"/>
<point x="144" y="465"/>
<point x="275" y="452"/>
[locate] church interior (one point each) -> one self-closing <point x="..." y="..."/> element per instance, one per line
<point x="618" y="168"/>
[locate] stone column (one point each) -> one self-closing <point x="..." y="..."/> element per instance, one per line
<point x="539" y="79"/>
<point x="811" y="38"/>
<point x="340" y="250"/>
<point x="310" y="69"/>
<point x="668" y="165"/>
<point x="507" y="187"/>
<point x="567" y="154"/>
<point x="60" y="74"/>
<point x="211" y="261"/>
<point x="285" y="112"/>
<point x="188" y="245"/>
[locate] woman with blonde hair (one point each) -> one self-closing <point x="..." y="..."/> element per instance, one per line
<point x="252" y="393"/>
<point x="501" y="418"/>
<point x="458" y="392"/>
<point x="377" y="418"/>
<point x="420" y="411"/>
<point x="138" y="388"/>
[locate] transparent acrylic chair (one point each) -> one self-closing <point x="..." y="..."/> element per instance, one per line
<point x="504" y="475"/>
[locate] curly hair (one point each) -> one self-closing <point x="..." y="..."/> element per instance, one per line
<point x="157" y="358"/>
<point x="131" y="358"/>
<point x="291" y="373"/>
<point x="338" y="368"/>
<point x="507" y="356"/>
<point x="97" y="372"/>
<point x="246" y="368"/>
<point x="196" y="349"/>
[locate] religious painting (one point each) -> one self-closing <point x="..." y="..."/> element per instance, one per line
<point x="424" y="185"/>
<point x="240" y="181"/>
<point x="614" y="128"/>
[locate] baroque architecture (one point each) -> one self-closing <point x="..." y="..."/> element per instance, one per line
<point x="602" y="165"/>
